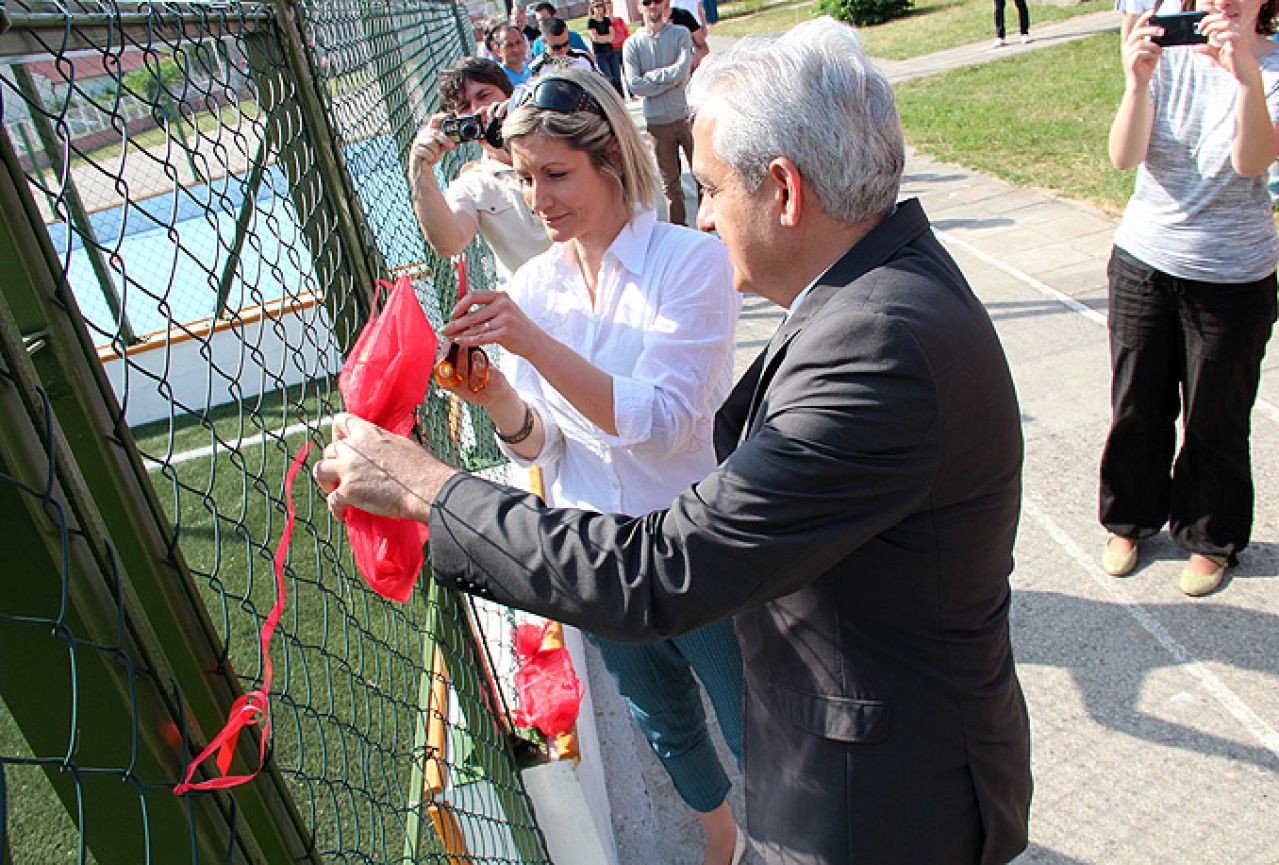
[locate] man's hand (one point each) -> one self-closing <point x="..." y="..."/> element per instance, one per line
<point x="430" y="144"/>
<point x="368" y="468"/>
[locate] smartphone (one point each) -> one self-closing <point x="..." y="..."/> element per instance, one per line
<point x="1180" y="28"/>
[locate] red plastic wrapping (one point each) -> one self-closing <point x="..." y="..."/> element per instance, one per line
<point x="383" y="380"/>
<point x="548" y="688"/>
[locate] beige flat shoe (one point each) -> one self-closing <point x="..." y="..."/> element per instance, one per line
<point x="1196" y="584"/>
<point x="1117" y="563"/>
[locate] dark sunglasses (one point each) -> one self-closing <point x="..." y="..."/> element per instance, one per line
<point x="649" y="2"/>
<point x="556" y="46"/>
<point x="558" y="94"/>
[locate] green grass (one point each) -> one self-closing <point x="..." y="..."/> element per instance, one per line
<point x="1037" y="119"/>
<point x="229" y="116"/>
<point x="935" y="25"/>
<point x="748" y="19"/>
<point x="743" y="17"/>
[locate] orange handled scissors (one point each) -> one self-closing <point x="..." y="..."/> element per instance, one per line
<point x="477" y="362"/>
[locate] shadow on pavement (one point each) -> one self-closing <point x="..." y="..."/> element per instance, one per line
<point x="1094" y="641"/>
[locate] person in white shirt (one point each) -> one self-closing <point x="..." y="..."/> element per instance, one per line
<point x="619" y="349"/>
<point x="559" y="52"/>
<point x="1134" y="9"/>
<point x="486" y="196"/>
<point x="694" y="8"/>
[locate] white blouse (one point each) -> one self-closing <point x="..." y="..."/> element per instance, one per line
<point x="663" y="327"/>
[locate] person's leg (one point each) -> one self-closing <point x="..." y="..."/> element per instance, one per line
<point x="1226" y="328"/>
<point x="686" y="144"/>
<point x="613" y="66"/>
<point x="666" y="705"/>
<point x="999" y="19"/>
<point x="666" y="150"/>
<point x="721" y="835"/>
<point x="1023" y="17"/>
<point x="716" y="659"/>
<point x="1145" y="360"/>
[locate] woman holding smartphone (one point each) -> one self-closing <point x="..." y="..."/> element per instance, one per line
<point x="1192" y="287"/>
<point x="620" y="341"/>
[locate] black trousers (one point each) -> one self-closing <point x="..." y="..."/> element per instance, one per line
<point x="1023" y="17"/>
<point x="1178" y="346"/>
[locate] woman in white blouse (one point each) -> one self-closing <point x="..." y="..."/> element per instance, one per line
<point x="620" y="341"/>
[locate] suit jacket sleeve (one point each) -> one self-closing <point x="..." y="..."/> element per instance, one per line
<point x="845" y="443"/>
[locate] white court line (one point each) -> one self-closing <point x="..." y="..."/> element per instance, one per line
<point x="1187" y="661"/>
<point x="259" y="438"/>
<point x="1267" y="408"/>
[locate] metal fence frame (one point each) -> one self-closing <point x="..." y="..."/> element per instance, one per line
<point x="152" y="665"/>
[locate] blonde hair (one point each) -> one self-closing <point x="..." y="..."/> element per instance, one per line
<point x="612" y="142"/>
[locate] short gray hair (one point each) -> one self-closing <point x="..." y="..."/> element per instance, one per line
<point x="812" y="96"/>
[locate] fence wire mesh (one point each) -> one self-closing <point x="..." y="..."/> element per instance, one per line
<point x="215" y="188"/>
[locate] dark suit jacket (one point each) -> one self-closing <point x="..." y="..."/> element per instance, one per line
<point x="861" y="532"/>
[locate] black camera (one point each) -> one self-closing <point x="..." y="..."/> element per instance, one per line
<point x="1180" y="28"/>
<point x="470" y="127"/>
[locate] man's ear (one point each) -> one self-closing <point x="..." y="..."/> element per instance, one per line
<point x="788" y="186"/>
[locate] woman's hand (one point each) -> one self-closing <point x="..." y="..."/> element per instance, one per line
<point x="368" y="468"/>
<point x="486" y="317"/>
<point x="1230" y="40"/>
<point x="1140" y="53"/>
<point x="493" y="392"/>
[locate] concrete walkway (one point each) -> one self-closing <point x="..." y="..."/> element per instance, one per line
<point x="968" y="55"/>
<point x="1154" y="715"/>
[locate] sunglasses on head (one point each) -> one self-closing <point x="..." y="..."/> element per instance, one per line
<point x="558" y="94"/>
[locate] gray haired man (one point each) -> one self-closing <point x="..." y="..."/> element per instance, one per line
<point x="860" y="525"/>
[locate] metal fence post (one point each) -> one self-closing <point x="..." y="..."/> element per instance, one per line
<point x="162" y="605"/>
<point x="365" y="258"/>
<point x="75" y="204"/>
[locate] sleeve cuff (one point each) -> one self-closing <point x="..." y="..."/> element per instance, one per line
<point x="632" y="411"/>
<point x="552" y="443"/>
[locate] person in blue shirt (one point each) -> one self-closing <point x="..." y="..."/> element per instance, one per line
<point x="545" y="12"/>
<point x="511" y="51"/>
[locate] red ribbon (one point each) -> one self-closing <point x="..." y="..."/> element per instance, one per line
<point x="252" y="708"/>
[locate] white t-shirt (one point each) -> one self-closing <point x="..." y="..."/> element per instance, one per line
<point x="693" y="7"/>
<point x="489" y="191"/>
<point x="662" y="326"/>
<point x="1191" y="215"/>
<point x="1136" y="7"/>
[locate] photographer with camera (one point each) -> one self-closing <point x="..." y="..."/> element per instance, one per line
<point x="486" y="196"/>
<point x="1192" y="283"/>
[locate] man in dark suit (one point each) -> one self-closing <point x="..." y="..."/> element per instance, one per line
<point x="860" y="527"/>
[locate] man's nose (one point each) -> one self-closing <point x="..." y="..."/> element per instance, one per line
<point x="705" y="218"/>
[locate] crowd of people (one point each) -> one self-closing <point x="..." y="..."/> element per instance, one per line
<point x="826" y="545"/>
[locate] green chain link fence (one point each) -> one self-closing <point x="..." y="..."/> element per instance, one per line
<point x="196" y="202"/>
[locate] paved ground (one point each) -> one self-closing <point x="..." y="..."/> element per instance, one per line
<point x="1154" y="715"/>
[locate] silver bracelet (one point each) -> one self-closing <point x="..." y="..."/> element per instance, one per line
<point x="524" y="432"/>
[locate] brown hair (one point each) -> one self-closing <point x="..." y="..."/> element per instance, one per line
<point x="1265" y="15"/>
<point x="453" y="80"/>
